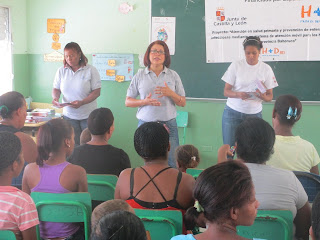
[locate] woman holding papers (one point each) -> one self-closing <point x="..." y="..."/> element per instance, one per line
<point x="160" y="90"/>
<point x="80" y="85"/>
<point x="248" y="82"/>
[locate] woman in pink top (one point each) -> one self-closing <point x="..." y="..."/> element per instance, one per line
<point x="52" y="173"/>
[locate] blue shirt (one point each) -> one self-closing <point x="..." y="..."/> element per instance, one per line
<point x="144" y="82"/>
<point x="190" y="237"/>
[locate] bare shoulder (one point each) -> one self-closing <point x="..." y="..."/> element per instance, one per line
<point x="188" y="179"/>
<point x="125" y="173"/>
<point x="75" y="169"/>
<point x="24" y="136"/>
<point x="31" y="167"/>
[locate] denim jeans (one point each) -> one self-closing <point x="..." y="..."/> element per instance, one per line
<point x="173" y="138"/>
<point x="231" y="119"/>
<point x="78" y="126"/>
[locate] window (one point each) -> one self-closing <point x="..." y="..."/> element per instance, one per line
<point x="5" y="52"/>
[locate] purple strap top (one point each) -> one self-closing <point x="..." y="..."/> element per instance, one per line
<point x="50" y="183"/>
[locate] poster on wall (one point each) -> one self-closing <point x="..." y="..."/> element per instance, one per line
<point x="289" y="29"/>
<point x="114" y="67"/>
<point x="164" y="29"/>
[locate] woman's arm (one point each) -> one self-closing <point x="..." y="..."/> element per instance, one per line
<point x="302" y="222"/>
<point x="132" y="102"/>
<point x="55" y="96"/>
<point x="232" y="94"/>
<point x="91" y="97"/>
<point x="25" y="184"/>
<point x="29" y="234"/>
<point x="315" y="170"/>
<point x="83" y="182"/>
<point x="267" y="96"/>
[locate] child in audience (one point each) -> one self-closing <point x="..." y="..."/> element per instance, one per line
<point x="13" y="111"/>
<point x="155" y="185"/>
<point x="275" y="188"/>
<point x="291" y="152"/>
<point x="53" y="174"/>
<point x="85" y="136"/>
<point x="225" y="196"/>
<point x="187" y="156"/>
<point x="18" y="212"/>
<point x="97" y="156"/>
<point x="315" y="218"/>
<point x="119" y="225"/>
<point x="108" y="207"/>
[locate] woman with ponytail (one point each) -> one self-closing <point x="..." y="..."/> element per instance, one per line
<point x="225" y="198"/>
<point x="53" y="174"/>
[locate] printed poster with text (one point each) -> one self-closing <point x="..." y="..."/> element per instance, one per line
<point x="289" y="29"/>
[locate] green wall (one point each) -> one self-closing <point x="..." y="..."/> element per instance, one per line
<point x="99" y="28"/>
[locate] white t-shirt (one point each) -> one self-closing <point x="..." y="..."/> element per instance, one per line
<point x="77" y="86"/>
<point x="242" y="77"/>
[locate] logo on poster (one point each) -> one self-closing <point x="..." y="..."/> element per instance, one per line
<point x="306" y="13"/>
<point x="220" y="14"/>
<point x="272" y="52"/>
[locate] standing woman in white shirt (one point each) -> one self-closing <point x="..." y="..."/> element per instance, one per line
<point x="80" y="85"/>
<point x="240" y="79"/>
<point x="160" y="90"/>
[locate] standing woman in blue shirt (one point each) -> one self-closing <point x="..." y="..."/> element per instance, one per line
<point x="160" y="90"/>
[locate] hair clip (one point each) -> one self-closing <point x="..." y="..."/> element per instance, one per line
<point x="295" y="113"/>
<point x="251" y="39"/>
<point x="4" y="106"/>
<point x="193" y="158"/>
<point x="115" y="232"/>
<point x="290" y="113"/>
<point x="198" y="206"/>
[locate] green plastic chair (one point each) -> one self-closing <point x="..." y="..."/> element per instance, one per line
<point x="64" y="207"/>
<point x="161" y="224"/>
<point x="7" y="235"/>
<point x="102" y="186"/>
<point x="269" y="224"/>
<point x="182" y="121"/>
<point x="194" y="172"/>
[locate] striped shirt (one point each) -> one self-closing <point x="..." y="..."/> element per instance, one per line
<point x="17" y="210"/>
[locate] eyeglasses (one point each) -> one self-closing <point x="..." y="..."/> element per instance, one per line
<point x="159" y="52"/>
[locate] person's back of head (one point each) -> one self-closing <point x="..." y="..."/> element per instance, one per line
<point x="315" y="219"/>
<point x="85" y="136"/>
<point x="151" y="141"/>
<point x="287" y="109"/>
<point x="51" y="136"/>
<point x="219" y="189"/>
<point x="119" y="225"/>
<point x="10" y="153"/>
<point x="108" y="207"/>
<point x="100" y="121"/>
<point x="187" y="156"/>
<point x="254" y="140"/>
<point x="10" y="102"/>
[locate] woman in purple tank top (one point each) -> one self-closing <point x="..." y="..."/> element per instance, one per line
<point x="52" y="173"/>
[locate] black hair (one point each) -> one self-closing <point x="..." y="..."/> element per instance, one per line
<point x="315" y="217"/>
<point x="252" y="41"/>
<point x="255" y="139"/>
<point x="50" y="137"/>
<point x="75" y="46"/>
<point x="100" y="120"/>
<point x="151" y="141"/>
<point x="282" y="106"/>
<point x="119" y="225"/>
<point x="218" y="189"/>
<point x="10" y="102"/>
<point x="10" y="148"/>
<point x="187" y="156"/>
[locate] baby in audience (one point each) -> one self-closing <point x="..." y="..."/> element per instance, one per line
<point x="225" y="197"/>
<point x="315" y="218"/>
<point x="85" y="136"/>
<point x="275" y="188"/>
<point x="291" y="152"/>
<point x="119" y="225"/>
<point x="187" y="156"/>
<point x="18" y="212"/>
<point x="53" y="174"/>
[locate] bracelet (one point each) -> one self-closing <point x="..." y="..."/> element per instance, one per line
<point x="180" y="99"/>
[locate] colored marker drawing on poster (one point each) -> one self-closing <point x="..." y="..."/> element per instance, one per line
<point x="164" y="29"/>
<point x="110" y="66"/>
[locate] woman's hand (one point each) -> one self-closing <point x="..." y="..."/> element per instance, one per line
<point x="223" y="153"/>
<point x="164" y="91"/>
<point x="267" y="96"/>
<point x="242" y="95"/>
<point x="55" y="102"/>
<point x="76" y="104"/>
<point x="151" y="101"/>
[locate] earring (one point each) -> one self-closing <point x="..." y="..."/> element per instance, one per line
<point x="68" y="145"/>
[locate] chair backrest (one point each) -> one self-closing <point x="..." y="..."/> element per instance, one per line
<point x="102" y="186"/>
<point x="182" y="121"/>
<point x="194" y="172"/>
<point x="7" y="235"/>
<point x="269" y="224"/>
<point x="310" y="183"/>
<point x="162" y="224"/>
<point x="64" y="207"/>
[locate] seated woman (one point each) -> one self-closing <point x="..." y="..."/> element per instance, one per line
<point x="155" y="185"/>
<point x="53" y="174"/>
<point x="225" y="197"/>
<point x="13" y="111"/>
<point x="291" y="152"/>
<point x="275" y="188"/>
<point x="97" y="156"/>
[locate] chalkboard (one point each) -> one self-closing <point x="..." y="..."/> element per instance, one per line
<point x="203" y="80"/>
